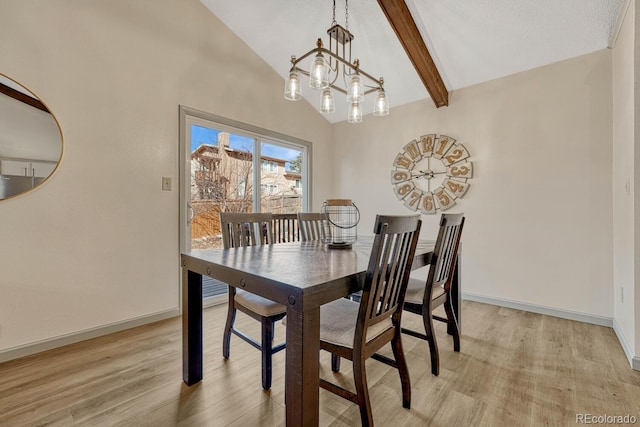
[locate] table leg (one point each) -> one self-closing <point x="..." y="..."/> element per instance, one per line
<point x="191" y="327"/>
<point x="303" y="367"/>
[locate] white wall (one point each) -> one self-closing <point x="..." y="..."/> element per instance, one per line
<point x="97" y="244"/>
<point x="624" y="177"/>
<point x="539" y="215"/>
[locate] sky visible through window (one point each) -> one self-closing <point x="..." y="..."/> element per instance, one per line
<point x="203" y="135"/>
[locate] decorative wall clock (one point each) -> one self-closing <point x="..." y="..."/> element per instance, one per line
<point x="431" y="173"/>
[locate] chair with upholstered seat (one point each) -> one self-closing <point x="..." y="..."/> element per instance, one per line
<point x="310" y="224"/>
<point x="423" y="297"/>
<point x="357" y="330"/>
<point x="249" y="229"/>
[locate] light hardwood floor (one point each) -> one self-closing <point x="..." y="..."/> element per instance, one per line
<point x="515" y="369"/>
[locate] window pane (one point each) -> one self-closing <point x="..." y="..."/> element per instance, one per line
<point x="281" y="194"/>
<point x="221" y="181"/>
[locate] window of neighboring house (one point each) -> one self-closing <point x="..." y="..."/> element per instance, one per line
<point x="241" y="188"/>
<point x="269" y="188"/>
<point x="268" y="166"/>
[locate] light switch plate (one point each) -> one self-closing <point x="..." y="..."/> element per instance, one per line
<point x="166" y="183"/>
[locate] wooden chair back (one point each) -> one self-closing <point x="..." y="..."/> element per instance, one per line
<point x="285" y="228"/>
<point x="443" y="260"/>
<point x="245" y="229"/>
<point x="388" y="272"/>
<point x="310" y="224"/>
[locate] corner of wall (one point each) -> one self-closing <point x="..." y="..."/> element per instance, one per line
<point x="634" y="361"/>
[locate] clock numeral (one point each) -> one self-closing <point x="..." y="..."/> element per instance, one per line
<point x="413" y="200"/>
<point x="412" y="150"/>
<point x="455" y="187"/>
<point x="442" y="145"/>
<point x="464" y="170"/>
<point x="445" y="200"/>
<point x="403" y="189"/>
<point x="426" y="144"/>
<point x="455" y="154"/>
<point x="400" y="176"/>
<point x="403" y="162"/>
<point x="458" y="189"/>
<point x="427" y="204"/>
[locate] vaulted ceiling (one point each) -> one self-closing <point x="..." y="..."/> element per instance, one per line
<point x="446" y="44"/>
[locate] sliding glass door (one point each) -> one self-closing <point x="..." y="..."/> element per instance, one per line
<point x="227" y="166"/>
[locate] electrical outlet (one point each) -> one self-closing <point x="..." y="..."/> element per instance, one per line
<point x="166" y="183"/>
<point x="627" y="187"/>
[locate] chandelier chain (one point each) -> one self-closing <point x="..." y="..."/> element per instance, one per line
<point x="334" y="13"/>
<point x="346" y="14"/>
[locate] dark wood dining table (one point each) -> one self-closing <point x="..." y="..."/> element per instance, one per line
<point x="300" y="275"/>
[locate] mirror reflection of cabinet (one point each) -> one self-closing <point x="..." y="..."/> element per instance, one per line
<point x="30" y="139"/>
<point x="38" y="169"/>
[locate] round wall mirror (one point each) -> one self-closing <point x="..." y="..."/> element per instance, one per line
<point x="30" y="139"/>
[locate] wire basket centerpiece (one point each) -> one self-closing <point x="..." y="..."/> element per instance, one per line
<point x="339" y="231"/>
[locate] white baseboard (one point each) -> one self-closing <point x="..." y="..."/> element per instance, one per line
<point x="540" y="309"/>
<point x="634" y="361"/>
<point x="48" y="344"/>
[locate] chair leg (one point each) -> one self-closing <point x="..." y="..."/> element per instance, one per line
<point x="453" y="322"/>
<point x="267" y="352"/>
<point x="431" y="339"/>
<point x="335" y="362"/>
<point x="362" y="390"/>
<point x="403" y="370"/>
<point x="231" y="317"/>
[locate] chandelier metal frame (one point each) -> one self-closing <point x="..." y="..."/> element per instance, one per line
<point x="339" y="64"/>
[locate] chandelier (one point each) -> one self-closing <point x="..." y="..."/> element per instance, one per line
<point x="333" y="69"/>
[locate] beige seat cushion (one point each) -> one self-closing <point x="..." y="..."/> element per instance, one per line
<point x="263" y="306"/>
<point x="415" y="291"/>
<point x="338" y="323"/>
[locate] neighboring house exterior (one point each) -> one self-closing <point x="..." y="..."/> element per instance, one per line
<point x="222" y="181"/>
<point x="225" y="174"/>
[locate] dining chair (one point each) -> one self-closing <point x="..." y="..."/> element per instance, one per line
<point x="423" y="297"/>
<point x="357" y="330"/>
<point x="249" y="229"/>
<point x="285" y="228"/>
<point x="310" y="224"/>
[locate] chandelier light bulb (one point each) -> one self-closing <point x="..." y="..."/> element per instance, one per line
<point x="381" y="106"/>
<point x="319" y="73"/>
<point x="292" y="90"/>
<point x="356" y="90"/>
<point x="326" y="103"/>
<point x="355" y="113"/>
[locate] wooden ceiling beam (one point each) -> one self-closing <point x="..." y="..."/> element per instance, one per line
<point x="22" y="97"/>
<point x="400" y="18"/>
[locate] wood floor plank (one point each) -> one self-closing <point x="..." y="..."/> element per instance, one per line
<point x="514" y="368"/>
